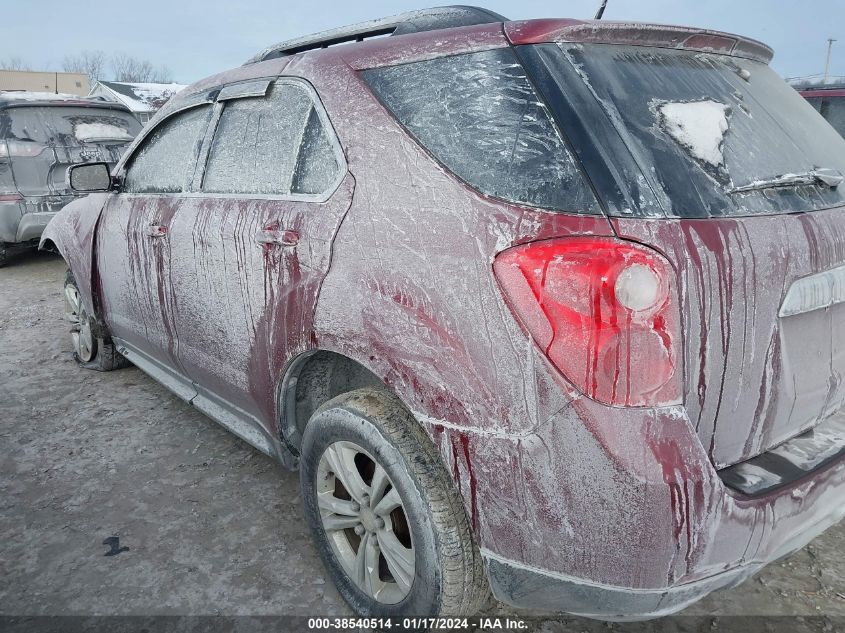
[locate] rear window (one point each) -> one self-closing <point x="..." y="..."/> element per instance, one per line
<point x="67" y="126"/>
<point x="702" y="126"/>
<point x="479" y="115"/>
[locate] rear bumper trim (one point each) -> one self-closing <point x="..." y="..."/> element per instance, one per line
<point x="32" y="225"/>
<point x="527" y="587"/>
<point x="789" y="462"/>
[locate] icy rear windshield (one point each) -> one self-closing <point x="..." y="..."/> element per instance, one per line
<point x="712" y="135"/>
<point x="67" y="126"/>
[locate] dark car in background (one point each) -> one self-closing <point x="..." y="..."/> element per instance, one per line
<point x="829" y="100"/>
<point x="41" y="135"/>
<point x="551" y="308"/>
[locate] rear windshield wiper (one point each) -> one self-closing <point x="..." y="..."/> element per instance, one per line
<point x="827" y="177"/>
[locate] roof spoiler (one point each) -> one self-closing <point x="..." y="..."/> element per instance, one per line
<point x="637" y="34"/>
<point x="63" y="103"/>
<point x="404" y="23"/>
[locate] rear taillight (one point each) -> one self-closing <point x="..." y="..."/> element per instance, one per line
<point x="20" y="149"/>
<point x="604" y="311"/>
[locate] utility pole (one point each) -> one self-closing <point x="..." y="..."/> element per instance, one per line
<point x="830" y="42"/>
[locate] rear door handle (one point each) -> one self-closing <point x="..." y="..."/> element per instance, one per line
<point x="156" y="230"/>
<point x="277" y="237"/>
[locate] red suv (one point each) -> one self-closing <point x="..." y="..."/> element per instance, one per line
<point x="549" y="308"/>
<point x="829" y="100"/>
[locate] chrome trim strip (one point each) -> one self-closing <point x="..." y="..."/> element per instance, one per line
<point x="815" y="292"/>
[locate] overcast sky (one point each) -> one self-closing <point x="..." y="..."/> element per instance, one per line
<point x="196" y="38"/>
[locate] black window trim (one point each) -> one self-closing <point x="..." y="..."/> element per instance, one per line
<point x="195" y="190"/>
<point x="603" y="175"/>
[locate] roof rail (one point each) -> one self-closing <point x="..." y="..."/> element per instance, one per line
<point x="410" y="22"/>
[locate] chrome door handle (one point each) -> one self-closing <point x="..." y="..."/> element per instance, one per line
<point x="156" y="230"/>
<point x="277" y="237"/>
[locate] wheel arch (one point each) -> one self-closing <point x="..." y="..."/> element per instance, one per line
<point x="71" y="233"/>
<point x="311" y="379"/>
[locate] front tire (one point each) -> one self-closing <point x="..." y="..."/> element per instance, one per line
<point x="89" y="350"/>
<point x="388" y="522"/>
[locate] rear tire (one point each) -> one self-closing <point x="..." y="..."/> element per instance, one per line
<point x="371" y="478"/>
<point x="89" y="350"/>
<point x="4" y="257"/>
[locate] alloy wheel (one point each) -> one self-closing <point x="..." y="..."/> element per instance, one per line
<point x="83" y="338"/>
<point x="365" y="521"/>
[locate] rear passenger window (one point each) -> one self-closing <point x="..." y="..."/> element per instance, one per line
<point x="273" y="145"/>
<point x="167" y="158"/>
<point x="479" y="115"/>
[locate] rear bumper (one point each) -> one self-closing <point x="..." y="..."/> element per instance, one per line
<point x="621" y="514"/>
<point x="533" y="588"/>
<point x="24" y="221"/>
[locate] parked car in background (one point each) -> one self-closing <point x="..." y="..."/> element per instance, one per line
<point x="550" y="308"/>
<point x="829" y="100"/>
<point x="41" y="134"/>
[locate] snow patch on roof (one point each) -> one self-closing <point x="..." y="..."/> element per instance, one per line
<point x="138" y="97"/>
<point x="24" y="95"/>
<point x="700" y="127"/>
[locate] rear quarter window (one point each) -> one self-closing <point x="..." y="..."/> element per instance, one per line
<point x="479" y="115"/>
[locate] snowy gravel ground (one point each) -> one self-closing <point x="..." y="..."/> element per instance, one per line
<point x="212" y="525"/>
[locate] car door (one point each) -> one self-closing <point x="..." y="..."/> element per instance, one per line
<point x="251" y="245"/>
<point x="133" y="251"/>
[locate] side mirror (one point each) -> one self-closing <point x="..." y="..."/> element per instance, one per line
<point x="89" y="177"/>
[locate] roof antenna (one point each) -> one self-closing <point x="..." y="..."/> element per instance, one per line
<point x="601" y="10"/>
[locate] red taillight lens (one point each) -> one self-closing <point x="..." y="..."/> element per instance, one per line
<point x="604" y="312"/>
<point x="20" y="149"/>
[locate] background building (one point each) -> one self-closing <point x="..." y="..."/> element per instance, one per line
<point x="65" y="83"/>
<point x="144" y="99"/>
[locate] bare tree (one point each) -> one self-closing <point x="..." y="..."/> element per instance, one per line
<point x="128" y="68"/>
<point x="14" y="63"/>
<point x="92" y="63"/>
<point x="163" y="75"/>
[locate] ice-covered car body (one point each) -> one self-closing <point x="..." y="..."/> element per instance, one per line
<point x="41" y="134"/>
<point x="571" y="248"/>
<point x="829" y="100"/>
